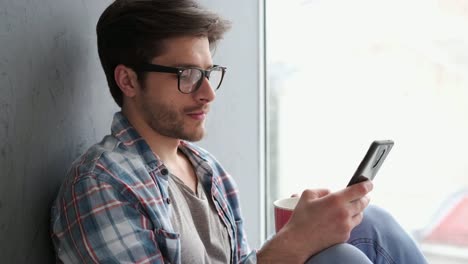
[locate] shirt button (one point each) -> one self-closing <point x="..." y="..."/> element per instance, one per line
<point x="164" y="172"/>
<point x="168" y="200"/>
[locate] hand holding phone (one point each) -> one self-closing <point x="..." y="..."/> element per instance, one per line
<point x="372" y="162"/>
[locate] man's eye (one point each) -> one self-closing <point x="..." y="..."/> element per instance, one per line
<point x="186" y="74"/>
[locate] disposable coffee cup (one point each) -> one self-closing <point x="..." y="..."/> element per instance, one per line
<point x="283" y="211"/>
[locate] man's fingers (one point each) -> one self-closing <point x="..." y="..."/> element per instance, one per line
<point x="357" y="191"/>
<point x="315" y="193"/>
<point x="358" y="206"/>
<point x="357" y="219"/>
<point x="322" y="192"/>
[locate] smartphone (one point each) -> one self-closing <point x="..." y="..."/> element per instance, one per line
<point x="372" y="162"/>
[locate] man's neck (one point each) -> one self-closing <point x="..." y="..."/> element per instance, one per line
<point x="165" y="148"/>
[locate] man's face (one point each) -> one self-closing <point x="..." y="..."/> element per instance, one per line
<point x="163" y="107"/>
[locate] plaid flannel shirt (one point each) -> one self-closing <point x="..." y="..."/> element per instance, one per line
<point x="114" y="206"/>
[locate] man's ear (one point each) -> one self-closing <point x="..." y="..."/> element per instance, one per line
<point x="127" y="80"/>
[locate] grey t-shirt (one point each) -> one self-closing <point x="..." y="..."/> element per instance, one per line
<point x="204" y="238"/>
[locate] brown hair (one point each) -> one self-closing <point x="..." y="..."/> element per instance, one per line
<point x="130" y="32"/>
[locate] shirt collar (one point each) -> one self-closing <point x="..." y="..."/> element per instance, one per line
<point x="131" y="141"/>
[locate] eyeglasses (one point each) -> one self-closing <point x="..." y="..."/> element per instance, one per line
<point x="189" y="79"/>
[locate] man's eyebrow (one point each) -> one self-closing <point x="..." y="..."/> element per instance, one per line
<point x="190" y="65"/>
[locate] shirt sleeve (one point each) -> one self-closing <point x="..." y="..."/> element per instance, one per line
<point x="97" y="223"/>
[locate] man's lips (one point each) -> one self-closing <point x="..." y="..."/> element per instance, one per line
<point x="199" y="115"/>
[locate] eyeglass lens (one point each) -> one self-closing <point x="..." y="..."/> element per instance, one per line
<point x="191" y="79"/>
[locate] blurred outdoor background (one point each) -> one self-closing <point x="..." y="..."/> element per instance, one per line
<point x="341" y="74"/>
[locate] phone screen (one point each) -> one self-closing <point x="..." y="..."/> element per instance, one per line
<point x="372" y="161"/>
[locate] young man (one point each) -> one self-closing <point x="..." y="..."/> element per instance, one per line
<point x="145" y="194"/>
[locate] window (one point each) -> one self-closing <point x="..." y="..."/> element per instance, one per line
<point x="341" y="74"/>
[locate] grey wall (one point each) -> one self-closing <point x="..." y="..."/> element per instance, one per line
<point x="235" y="125"/>
<point x="54" y="104"/>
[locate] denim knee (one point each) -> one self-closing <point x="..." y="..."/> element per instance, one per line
<point x="379" y="225"/>
<point x="339" y="254"/>
<point x="383" y="240"/>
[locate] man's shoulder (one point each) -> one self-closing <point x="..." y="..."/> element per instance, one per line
<point x="104" y="159"/>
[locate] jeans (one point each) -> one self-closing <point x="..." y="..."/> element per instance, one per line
<point x="379" y="239"/>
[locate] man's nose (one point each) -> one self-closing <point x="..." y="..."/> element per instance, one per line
<point x="206" y="92"/>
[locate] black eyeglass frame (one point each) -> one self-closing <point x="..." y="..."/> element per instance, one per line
<point x="149" y="67"/>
